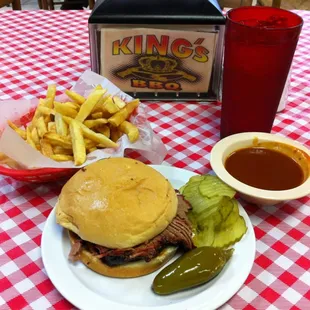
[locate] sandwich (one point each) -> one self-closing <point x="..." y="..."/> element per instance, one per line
<point x="123" y="217"/>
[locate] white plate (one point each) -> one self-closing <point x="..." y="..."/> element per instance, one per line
<point x="88" y="290"/>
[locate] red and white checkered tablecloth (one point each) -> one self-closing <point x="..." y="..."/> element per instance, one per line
<point x="40" y="47"/>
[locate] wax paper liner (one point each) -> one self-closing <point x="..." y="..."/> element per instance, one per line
<point x="149" y="144"/>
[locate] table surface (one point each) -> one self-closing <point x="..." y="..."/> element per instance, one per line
<point x="40" y="47"/>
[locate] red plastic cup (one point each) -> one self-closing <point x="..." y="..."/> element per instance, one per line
<point x="259" y="47"/>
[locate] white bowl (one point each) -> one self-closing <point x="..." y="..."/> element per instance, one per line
<point x="226" y="146"/>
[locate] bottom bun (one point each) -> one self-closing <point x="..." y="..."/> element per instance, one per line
<point x="129" y="270"/>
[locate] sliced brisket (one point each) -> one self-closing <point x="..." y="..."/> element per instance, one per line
<point x="179" y="232"/>
<point x="75" y="250"/>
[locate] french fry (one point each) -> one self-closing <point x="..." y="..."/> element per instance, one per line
<point x="57" y="140"/>
<point x="119" y="102"/>
<point x="89" y="143"/>
<point x="35" y="136"/>
<point x="115" y="134"/>
<point x="65" y="143"/>
<point x="45" y="111"/>
<point x="47" y="102"/>
<point x="29" y="138"/>
<point x="130" y="130"/>
<point x="67" y="119"/>
<point x="120" y="116"/>
<point x="78" y="144"/>
<point x="3" y="157"/>
<point x="47" y="119"/>
<point x="92" y="149"/>
<point x="5" y="160"/>
<point x="41" y="126"/>
<point x="30" y="126"/>
<point x="65" y="110"/>
<point x="98" y="87"/>
<point x="22" y="133"/>
<point x="100" y="108"/>
<point x="43" y="103"/>
<point x="99" y="105"/>
<point x="109" y="106"/>
<point x="37" y="113"/>
<point x="50" y="94"/>
<point x="88" y="105"/>
<point x="46" y="148"/>
<point x="106" y="114"/>
<point x="132" y="105"/>
<point x="97" y="137"/>
<point x="75" y="96"/>
<point x="62" y="151"/>
<point x="90" y="134"/>
<point x="61" y="126"/>
<point x="72" y="105"/>
<point x="51" y="127"/>
<point x="95" y="122"/>
<point x="12" y="163"/>
<point x="61" y="157"/>
<point x="104" y="129"/>
<point x="97" y="115"/>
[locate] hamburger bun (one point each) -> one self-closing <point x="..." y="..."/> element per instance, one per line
<point x="117" y="203"/>
<point x="128" y="270"/>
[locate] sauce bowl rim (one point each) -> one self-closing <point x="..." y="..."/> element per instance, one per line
<point x="217" y="164"/>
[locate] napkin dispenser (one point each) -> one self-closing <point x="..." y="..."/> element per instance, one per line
<point x="159" y="49"/>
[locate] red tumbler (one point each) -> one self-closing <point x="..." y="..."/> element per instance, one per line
<point x="259" y="47"/>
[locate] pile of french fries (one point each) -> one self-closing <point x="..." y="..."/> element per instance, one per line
<point x="66" y="131"/>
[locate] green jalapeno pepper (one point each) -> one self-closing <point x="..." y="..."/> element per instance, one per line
<point x="195" y="267"/>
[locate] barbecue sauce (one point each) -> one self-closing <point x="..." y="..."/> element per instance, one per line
<point x="265" y="168"/>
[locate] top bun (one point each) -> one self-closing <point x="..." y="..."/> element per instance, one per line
<point x="117" y="203"/>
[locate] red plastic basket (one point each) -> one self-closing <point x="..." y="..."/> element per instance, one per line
<point x="38" y="175"/>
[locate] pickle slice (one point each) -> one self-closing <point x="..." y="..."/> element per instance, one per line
<point x="221" y="228"/>
<point x="204" y="218"/>
<point x="212" y="186"/>
<point x="217" y="219"/>
<point x="227" y="206"/>
<point x="205" y="237"/>
<point x="223" y="208"/>
<point x="198" y="202"/>
<point x="214" y="201"/>
<point x="192" y="195"/>
<point x="205" y="191"/>
<point x="233" y="215"/>
<point x="230" y="235"/>
<point x="194" y="179"/>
